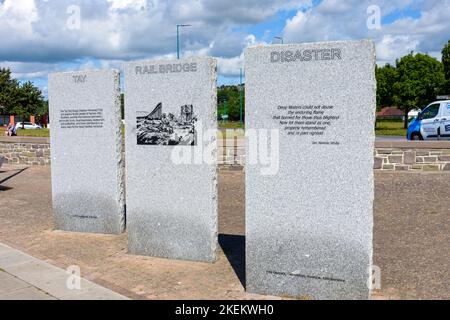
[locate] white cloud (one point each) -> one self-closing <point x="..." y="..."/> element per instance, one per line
<point x="338" y="20"/>
<point x="127" y="4"/>
<point x="230" y="66"/>
<point x="28" y="70"/>
<point x="394" y="46"/>
<point x="18" y="15"/>
<point x="36" y="30"/>
<point x="36" y="33"/>
<point x="36" y="39"/>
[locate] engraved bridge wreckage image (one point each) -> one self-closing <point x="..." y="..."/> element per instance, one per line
<point x="158" y="128"/>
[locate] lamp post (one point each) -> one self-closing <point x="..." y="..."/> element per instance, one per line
<point x="279" y="38"/>
<point x="178" y="37"/>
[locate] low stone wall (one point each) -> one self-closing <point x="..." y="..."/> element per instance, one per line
<point x="231" y="153"/>
<point x="412" y="156"/>
<point x="389" y="155"/>
<point x="25" y="150"/>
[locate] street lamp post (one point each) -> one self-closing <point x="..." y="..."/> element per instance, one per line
<point x="279" y="38"/>
<point x="178" y="37"/>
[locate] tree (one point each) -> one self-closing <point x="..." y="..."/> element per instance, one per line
<point x="8" y="89"/>
<point x="27" y="101"/>
<point x="122" y="106"/>
<point x="19" y="99"/>
<point x="230" y="94"/>
<point x="42" y="112"/>
<point x="386" y="78"/>
<point x="446" y="65"/>
<point x="419" y="81"/>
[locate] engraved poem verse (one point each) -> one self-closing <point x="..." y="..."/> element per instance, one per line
<point x="81" y="118"/>
<point x="305" y="120"/>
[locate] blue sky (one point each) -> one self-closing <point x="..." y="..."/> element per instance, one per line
<point x="44" y="36"/>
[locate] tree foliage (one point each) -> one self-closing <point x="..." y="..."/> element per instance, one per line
<point x="8" y="89"/>
<point x="420" y="79"/>
<point x="229" y="96"/>
<point x="446" y="65"/>
<point x="21" y="99"/>
<point x="386" y="78"/>
<point x="414" y="81"/>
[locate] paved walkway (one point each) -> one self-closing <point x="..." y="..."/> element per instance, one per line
<point x="411" y="241"/>
<point x="23" y="277"/>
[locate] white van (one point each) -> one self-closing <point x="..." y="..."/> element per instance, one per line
<point x="433" y="123"/>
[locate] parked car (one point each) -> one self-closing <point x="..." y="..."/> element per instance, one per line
<point x="431" y="123"/>
<point x="413" y="113"/>
<point x="27" y="126"/>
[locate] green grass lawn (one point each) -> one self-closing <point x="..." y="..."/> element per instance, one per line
<point x="390" y="128"/>
<point x="231" y="129"/>
<point x="33" y="133"/>
<point x="229" y="125"/>
<point x="234" y="129"/>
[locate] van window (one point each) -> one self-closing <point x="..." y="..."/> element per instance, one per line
<point x="431" y="112"/>
<point x="447" y="109"/>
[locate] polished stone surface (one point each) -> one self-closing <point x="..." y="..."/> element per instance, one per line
<point x="171" y="188"/>
<point x="86" y="144"/>
<point x="309" y="211"/>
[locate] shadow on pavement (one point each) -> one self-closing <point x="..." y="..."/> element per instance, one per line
<point x="19" y="171"/>
<point x="234" y="248"/>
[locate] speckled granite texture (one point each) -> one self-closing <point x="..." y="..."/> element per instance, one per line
<point x="309" y="226"/>
<point x="87" y="170"/>
<point x="172" y="204"/>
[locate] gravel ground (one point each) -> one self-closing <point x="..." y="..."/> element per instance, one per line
<point x="412" y="234"/>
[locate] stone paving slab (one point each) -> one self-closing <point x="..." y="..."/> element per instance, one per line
<point x="28" y="293"/>
<point x="31" y="278"/>
<point x="13" y="288"/>
<point x="10" y="283"/>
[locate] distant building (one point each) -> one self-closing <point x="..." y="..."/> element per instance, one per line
<point x="6" y="119"/>
<point x="390" y="113"/>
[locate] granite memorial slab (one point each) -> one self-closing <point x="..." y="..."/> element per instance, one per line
<point x="171" y="170"/>
<point x="86" y="144"/>
<point x="309" y="223"/>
